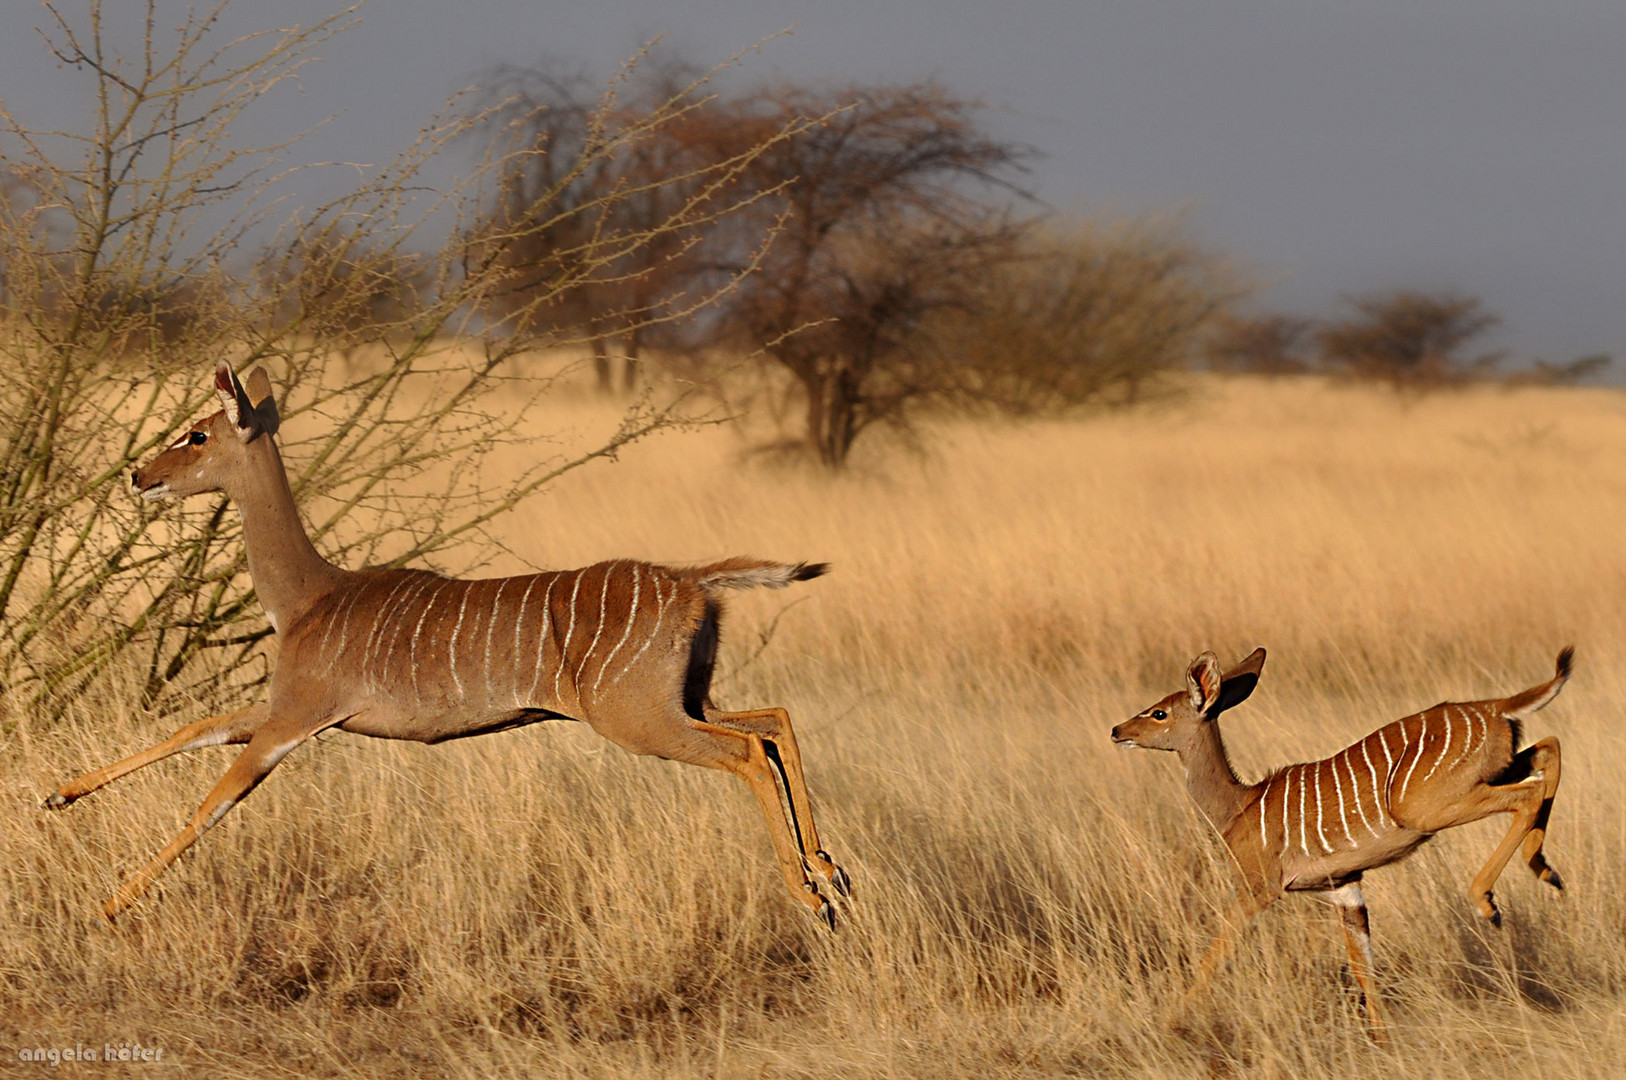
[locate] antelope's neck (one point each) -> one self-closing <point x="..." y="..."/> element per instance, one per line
<point x="1211" y="781"/>
<point x="289" y="575"/>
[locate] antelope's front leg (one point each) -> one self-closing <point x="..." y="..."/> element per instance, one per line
<point x="236" y="727"/>
<point x="1252" y="899"/>
<point x="1351" y="906"/>
<point x="265" y="750"/>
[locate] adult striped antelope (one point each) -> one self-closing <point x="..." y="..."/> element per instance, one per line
<point x="1319" y="825"/>
<point x="626" y="646"/>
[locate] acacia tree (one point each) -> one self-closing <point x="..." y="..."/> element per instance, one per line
<point x="1410" y="339"/>
<point x="1262" y="344"/>
<point x="156" y="197"/>
<point x="879" y="227"/>
<point x="871" y="354"/>
<point x="633" y="189"/>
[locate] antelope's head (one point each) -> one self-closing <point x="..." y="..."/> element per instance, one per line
<point x="209" y="453"/>
<point x="1175" y="722"/>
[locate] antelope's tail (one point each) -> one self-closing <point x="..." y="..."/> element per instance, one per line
<point x="1524" y="704"/>
<point x="747" y="573"/>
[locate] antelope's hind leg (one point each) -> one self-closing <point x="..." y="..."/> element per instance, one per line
<point x="772" y="727"/>
<point x="1529" y="798"/>
<point x="1544" y="760"/>
<point x="228" y="728"/>
<point x="745" y="755"/>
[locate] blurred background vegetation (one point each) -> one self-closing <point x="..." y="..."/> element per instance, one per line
<point x="851" y="261"/>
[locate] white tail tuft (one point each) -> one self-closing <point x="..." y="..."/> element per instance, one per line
<point x="744" y="573"/>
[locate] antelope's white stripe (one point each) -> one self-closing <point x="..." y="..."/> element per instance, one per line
<point x="1355" y="788"/>
<point x="1468" y="716"/>
<point x="1377" y="793"/>
<point x="1422" y="735"/>
<point x="1287" y="792"/>
<point x="542" y="641"/>
<point x="1304" y="840"/>
<point x="632" y="617"/>
<point x="327" y="628"/>
<point x="372" y="631"/>
<point x="412" y="653"/>
<point x="1338" y="787"/>
<point x="394" y="619"/>
<point x="491" y="626"/>
<point x="347" y="605"/>
<point x="1263" y="839"/>
<point x="1325" y="847"/>
<point x="603" y="607"/>
<point x="451" y="645"/>
<point x="344" y="627"/>
<point x="661" y="601"/>
<point x="519" y="630"/>
<point x="570" y="629"/>
<point x="1445" y="715"/>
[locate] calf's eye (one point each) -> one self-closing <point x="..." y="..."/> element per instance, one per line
<point x="1159" y="714"/>
<point x="197" y="438"/>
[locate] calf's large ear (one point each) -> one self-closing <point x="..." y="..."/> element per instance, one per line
<point x="1238" y="683"/>
<point x="1203" y="682"/>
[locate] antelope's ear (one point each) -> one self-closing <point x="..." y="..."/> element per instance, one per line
<point x="249" y="421"/>
<point x="1203" y="682"/>
<point x="265" y="405"/>
<point x="1238" y="683"/>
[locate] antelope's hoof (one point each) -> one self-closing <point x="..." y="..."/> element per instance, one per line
<point x="839" y="878"/>
<point x="820" y="905"/>
<point x="1551" y="877"/>
<point x="56" y="801"/>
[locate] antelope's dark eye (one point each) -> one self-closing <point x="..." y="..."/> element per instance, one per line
<point x="1159" y="714"/>
<point x="198" y="438"/>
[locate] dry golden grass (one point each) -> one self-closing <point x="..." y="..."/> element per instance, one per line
<point x="1031" y="900"/>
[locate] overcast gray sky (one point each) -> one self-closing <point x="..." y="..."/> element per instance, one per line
<point x="1334" y="147"/>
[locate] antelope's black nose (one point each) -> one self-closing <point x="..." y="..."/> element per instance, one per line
<point x="135" y="479"/>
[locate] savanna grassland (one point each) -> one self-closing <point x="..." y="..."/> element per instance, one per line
<point x="1030" y="900"/>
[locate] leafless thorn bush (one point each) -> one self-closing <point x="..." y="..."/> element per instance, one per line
<point x="395" y="317"/>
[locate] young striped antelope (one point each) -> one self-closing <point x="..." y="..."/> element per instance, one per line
<point x="1318" y="826"/>
<point x="626" y="646"/>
